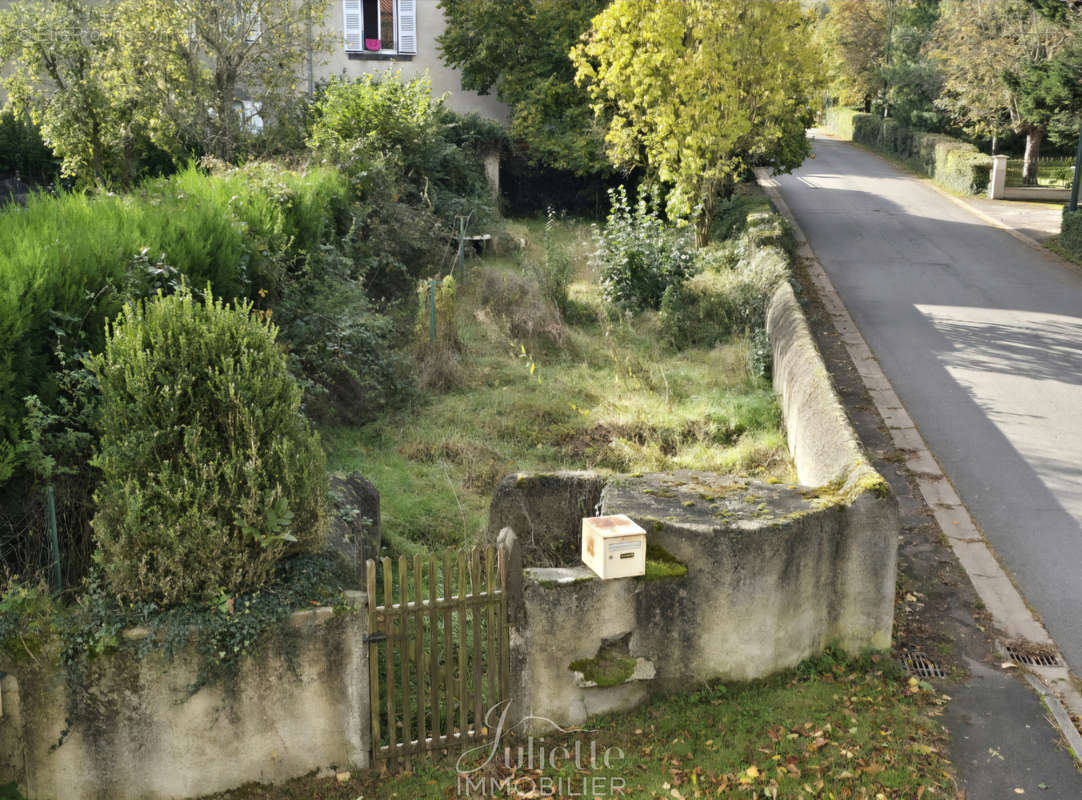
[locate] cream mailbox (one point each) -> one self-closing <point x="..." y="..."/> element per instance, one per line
<point x="614" y="547"/>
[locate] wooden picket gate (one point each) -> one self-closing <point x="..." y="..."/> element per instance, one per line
<point x="438" y="655"/>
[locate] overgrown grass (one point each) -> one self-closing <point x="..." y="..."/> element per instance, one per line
<point x="831" y="728"/>
<point x="606" y="393"/>
<point x="64" y="258"/>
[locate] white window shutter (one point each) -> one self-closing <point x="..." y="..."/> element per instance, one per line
<point x="351" y="19"/>
<point x="407" y="27"/>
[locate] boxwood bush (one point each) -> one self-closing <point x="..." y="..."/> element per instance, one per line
<point x="210" y="474"/>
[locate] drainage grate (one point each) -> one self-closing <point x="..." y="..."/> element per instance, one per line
<point x="1032" y="654"/>
<point x="920" y="665"/>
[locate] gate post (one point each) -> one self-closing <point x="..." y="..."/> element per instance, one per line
<point x="517" y="694"/>
<point x="357" y="688"/>
<point x="998" y="182"/>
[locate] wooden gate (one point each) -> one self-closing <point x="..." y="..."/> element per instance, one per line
<point x="438" y="655"/>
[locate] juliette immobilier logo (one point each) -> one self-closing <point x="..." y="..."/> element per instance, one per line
<point x="546" y="764"/>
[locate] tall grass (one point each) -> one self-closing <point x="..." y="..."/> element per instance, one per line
<point x="609" y="394"/>
<point x="64" y="259"/>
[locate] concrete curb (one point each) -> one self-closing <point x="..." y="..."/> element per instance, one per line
<point x="996" y="590"/>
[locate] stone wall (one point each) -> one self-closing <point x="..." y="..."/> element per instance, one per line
<point x="744" y="578"/>
<point x="140" y="734"/>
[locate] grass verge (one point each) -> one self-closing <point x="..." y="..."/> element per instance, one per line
<point x="830" y="728"/>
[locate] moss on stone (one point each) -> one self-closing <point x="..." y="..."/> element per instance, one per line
<point x="842" y="491"/>
<point x="661" y="564"/>
<point x="606" y="668"/>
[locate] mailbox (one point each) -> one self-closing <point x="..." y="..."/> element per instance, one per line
<point x="613" y="547"/>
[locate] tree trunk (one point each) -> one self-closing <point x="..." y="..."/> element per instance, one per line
<point x="1033" y="153"/>
<point x="703" y="223"/>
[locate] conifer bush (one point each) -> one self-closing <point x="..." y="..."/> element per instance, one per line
<point x="210" y="474"/>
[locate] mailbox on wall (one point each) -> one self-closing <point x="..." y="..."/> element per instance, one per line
<point x="614" y="547"/>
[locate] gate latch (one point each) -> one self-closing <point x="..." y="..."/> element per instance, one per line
<point x="375" y="637"/>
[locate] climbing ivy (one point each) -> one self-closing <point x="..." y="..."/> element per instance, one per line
<point x="222" y="631"/>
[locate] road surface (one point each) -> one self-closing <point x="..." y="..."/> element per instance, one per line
<point x="981" y="336"/>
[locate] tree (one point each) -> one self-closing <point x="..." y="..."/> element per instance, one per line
<point x="519" y="48"/>
<point x="912" y="80"/>
<point x="854" y="32"/>
<point x="98" y="75"/>
<point x="63" y="74"/>
<point x="206" y="69"/>
<point x="997" y="59"/>
<point x="699" y="90"/>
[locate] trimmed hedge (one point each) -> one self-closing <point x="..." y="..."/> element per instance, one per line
<point x="840" y="119"/>
<point x="1070" y="235"/>
<point x="210" y="474"/>
<point x="955" y="164"/>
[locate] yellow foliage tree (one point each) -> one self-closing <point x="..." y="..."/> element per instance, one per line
<point x="698" y="90"/>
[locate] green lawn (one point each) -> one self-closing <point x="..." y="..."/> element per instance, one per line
<point x="591" y="391"/>
<point x="1055" y="172"/>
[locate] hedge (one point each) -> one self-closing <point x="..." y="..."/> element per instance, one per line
<point x="839" y="120"/>
<point x="1070" y="235"/>
<point x="951" y="162"/>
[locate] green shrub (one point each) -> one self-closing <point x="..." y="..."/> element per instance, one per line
<point x="209" y="472"/>
<point x="23" y="151"/>
<point x="866" y="129"/>
<point x="71" y="256"/>
<point x="839" y="120"/>
<point x="1070" y="235"/>
<point x="338" y="345"/>
<point x="640" y="256"/>
<point x="734" y="284"/>
<point x="895" y="137"/>
<point x="422" y="151"/>
<point x="956" y="164"/>
<point x="962" y="167"/>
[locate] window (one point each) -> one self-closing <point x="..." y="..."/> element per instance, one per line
<point x="380" y="27"/>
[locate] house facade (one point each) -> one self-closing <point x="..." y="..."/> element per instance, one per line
<point x="380" y="35"/>
<point x="374" y="36"/>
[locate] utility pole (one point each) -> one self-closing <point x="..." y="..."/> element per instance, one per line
<point x="886" y="66"/>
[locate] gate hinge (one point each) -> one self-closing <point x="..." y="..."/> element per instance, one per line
<point x="375" y="637"/>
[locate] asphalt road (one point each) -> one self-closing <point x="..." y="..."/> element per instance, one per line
<point x="981" y="337"/>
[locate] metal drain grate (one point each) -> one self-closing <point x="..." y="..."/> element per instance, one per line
<point x="920" y="665"/>
<point x="1032" y="655"/>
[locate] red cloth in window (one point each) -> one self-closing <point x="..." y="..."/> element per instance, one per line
<point x="371" y="44"/>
